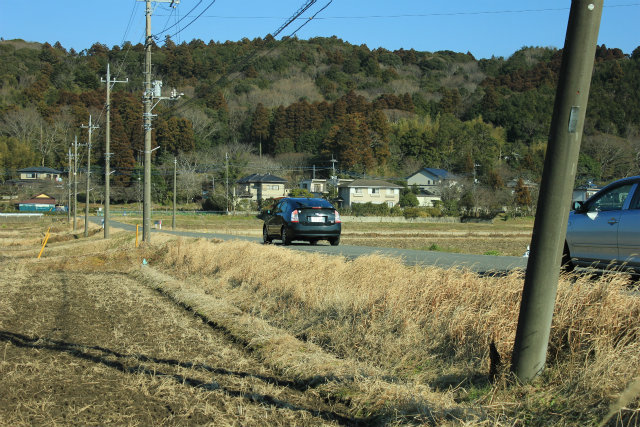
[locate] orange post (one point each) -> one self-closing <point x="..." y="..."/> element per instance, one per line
<point x="46" y="238"/>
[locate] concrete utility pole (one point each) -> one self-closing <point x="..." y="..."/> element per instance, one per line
<point x="173" y="219"/>
<point x="107" y="151"/>
<point x="75" y="181"/>
<point x="86" y="205"/>
<point x="550" y="227"/>
<point x="148" y="98"/>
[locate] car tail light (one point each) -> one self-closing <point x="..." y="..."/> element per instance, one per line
<point x="294" y="216"/>
<point x="337" y="214"/>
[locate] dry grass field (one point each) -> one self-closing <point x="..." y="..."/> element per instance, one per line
<point x="203" y="332"/>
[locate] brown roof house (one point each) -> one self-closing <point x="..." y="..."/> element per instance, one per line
<point x="39" y="203"/>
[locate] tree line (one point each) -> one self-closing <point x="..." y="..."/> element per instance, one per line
<point x="377" y="112"/>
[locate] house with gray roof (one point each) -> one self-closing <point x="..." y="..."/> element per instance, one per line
<point x="430" y="178"/>
<point x="40" y="172"/>
<point x="258" y="187"/>
<point x="430" y="182"/>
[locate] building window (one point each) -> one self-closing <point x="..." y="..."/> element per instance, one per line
<point x="374" y="191"/>
<point x="317" y="188"/>
<point x="357" y="190"/>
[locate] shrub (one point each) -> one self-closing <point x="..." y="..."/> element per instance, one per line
<point x="369" y="209"/>
<point x="217" y="202"/>
<point x="409" y="200"/>
<point x="414" y="213"/>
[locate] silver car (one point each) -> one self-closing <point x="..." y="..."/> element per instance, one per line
<point x="604" y="231"/>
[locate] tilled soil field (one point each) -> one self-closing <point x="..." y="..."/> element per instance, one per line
<point x="99" y="348"/>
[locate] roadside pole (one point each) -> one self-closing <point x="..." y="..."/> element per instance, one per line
<point x="69" y="187"/>
<point x="107" y="152"/>
<point x="151" y="92"/>
<point x="75" y="181"/>
<point x="173" y="218"/>
<point x="550" y="227"/>
<point x="90" y="127"/>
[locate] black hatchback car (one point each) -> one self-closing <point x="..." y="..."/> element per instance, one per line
<point x="307" y="219"/>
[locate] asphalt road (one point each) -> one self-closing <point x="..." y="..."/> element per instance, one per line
<point x="483" y="264"/>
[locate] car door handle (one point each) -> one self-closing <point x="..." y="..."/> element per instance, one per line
<point x="613" y="221"/>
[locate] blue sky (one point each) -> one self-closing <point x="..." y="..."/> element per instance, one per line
<point x="492" y="27"/>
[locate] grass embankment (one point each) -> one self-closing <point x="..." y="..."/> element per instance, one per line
<point x="431" y="326"/>
<point x="396" y="344"/>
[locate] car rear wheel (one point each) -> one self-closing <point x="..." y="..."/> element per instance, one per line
<point x="286" y="240"/>
<point x="567" y="265"/>
<point x="334" y="241"/>
<point x="313" y="242"/>
<point x="265" y="235"/>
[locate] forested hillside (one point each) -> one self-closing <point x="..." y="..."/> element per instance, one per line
<point x="286" y="106"/>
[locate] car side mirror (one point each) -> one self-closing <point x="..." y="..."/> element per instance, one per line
<point x="577" y="206"/>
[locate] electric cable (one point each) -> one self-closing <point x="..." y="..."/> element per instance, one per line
<point x="194" y="19"/>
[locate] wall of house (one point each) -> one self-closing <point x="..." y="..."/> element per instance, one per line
<point x="376" y="196"/>
<point x="421" y="180"/>
<point x="428" y="201"/>
<point x="271" y="191"/>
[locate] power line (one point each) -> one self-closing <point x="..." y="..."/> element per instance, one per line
<point x="180" y="20"/>
<point x="422" y="15"/>
<point x="194" y="19"/>
<point x="312" y="17"/>
<point x="295" y="16"/>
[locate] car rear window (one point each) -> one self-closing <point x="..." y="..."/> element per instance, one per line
<point x="314" y="203"/>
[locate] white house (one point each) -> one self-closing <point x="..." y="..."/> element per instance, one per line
<point x="583" y="192"/>
<point x="369" y="190"/>
<point x="317" y="186"/>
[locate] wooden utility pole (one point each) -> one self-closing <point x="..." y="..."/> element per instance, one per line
<point x="107" y="151"/>
<point x="91" y="127"/>
<point x="550" y="227"/>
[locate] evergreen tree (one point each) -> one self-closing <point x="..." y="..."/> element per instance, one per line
<point x="522" y="195"/>
<point x="351" y="141"/>
<point x="259" y="131"/>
